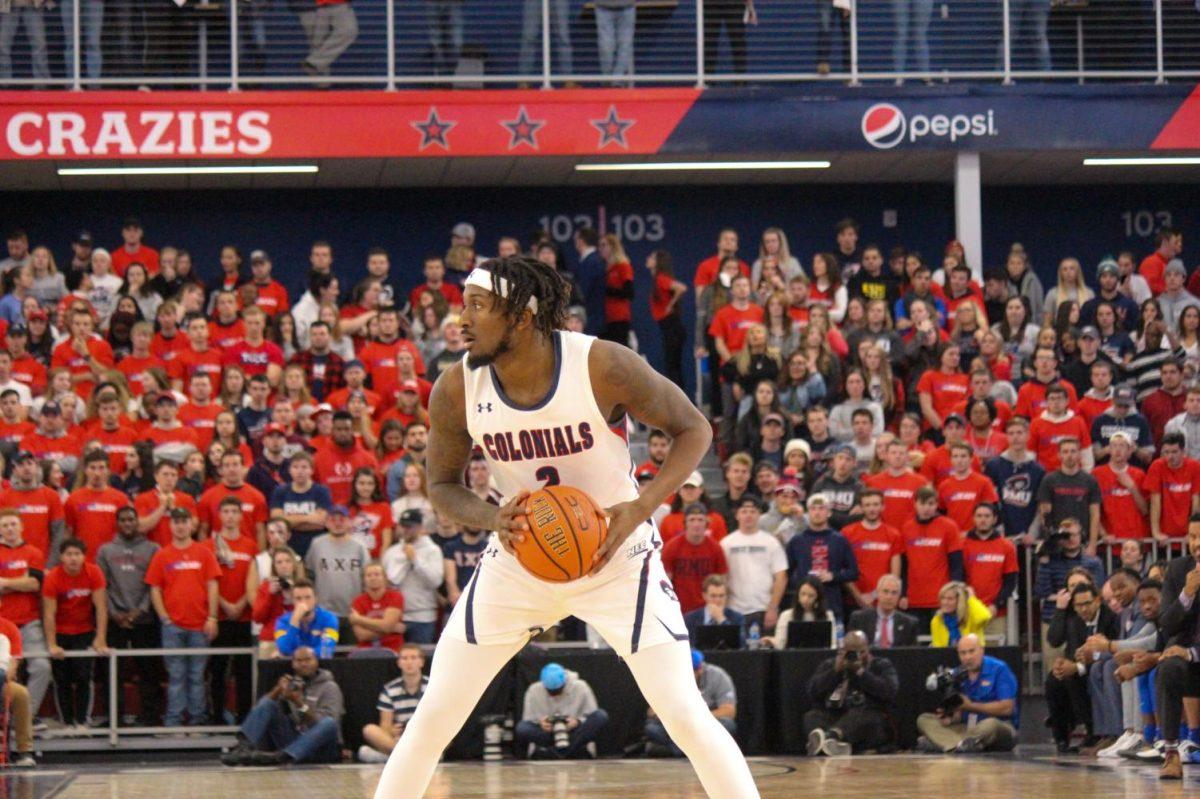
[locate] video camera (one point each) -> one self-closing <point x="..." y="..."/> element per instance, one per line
<point x="948" y="685"/>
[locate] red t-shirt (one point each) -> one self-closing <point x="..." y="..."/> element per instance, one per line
<point x="958" y="498"/>
<point x="15" y="432"/>
<point x="1154" y="268"/>
<point x="338" y="400"/>
<point x="449" y="291"/>
<point x="687" y="565"/>
<point x="731" y="325"/>
<point x="272" y="298"/>
<point x="31" y="372"/>
<point x="1176" y="487"/>
<point x="374" y="609"/>
<point x="65" y="356"/>
<point x="673" y="523"/>
<point x="1090" y="408"/>
<point x="873" y="549"/>
<point x="380" y="360"/>
<point x="146" y="256"/>
<point x="1031" y="399"/>
<point x="899" y="494"/>
<point x="91" y="516"/>
<point x="176" y="435"/>
<point x="59" y="448"/>
<point x="936" y="466"/>
<point x="1118" y="511"/>
<point x="232" y="583"/>
<point x="10" y="631"/>
<point x="134" y="370"/>
<point x="166" y="349"/>
<point x="368" y="522"/>
<point x="21" y="607"/>
<point x="660" y="296"/>
<point x="202" y="419"/>
<point x="117" y="444"/>
<point x="927" y="547"/>
<point x="986" y="563"/>
<point x="182" y="575"/>
<point x="617" y="309"/>
<point x="335" y="467"/>
<point x="1044" y="436"/>
<point x="709" y="268"/>
<point x="985" y="448"/>
<point x="188" y="362"/>
<point x="254" y="358"/>
<point x="267" y="608"/>
<point x="946" y="391"/>
<point x="147" y="502"/>
<point x="39" y="508"/>
<point x="223" y="336"/>
<point x="73" y="592"/>
<point x="254" y="508"/>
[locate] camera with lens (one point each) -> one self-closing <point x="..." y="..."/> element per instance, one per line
<point x="558" y="727"/>
<point x="1056" y="542"/>
<point x="948" y="685"/>
<point x="285" y="584"/>
<point x="295" y="683"/>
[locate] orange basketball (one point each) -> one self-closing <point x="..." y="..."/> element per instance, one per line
<point x="566" y="527"/>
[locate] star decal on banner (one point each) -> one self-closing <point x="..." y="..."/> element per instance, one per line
<point x="523" y="130"/>
<point x="434" y="129"/>
<point x="612" y="129"/>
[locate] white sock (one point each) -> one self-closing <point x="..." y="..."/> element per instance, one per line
<point x="664" y="674"/>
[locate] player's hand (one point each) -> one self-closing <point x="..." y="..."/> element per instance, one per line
<point x="623" y="519"/>
<point x="512" y="523"/>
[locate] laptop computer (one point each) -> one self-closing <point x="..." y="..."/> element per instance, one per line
<point x="717" y="636"/>
<point x="809" y="634"/>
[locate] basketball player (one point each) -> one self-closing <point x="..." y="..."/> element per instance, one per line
<point x="539" y="401"/>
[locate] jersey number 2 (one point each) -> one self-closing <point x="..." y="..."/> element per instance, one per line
<point x="549" y="474"/>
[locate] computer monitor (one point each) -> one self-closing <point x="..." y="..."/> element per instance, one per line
<point x="809" y="634"/>
<point x="717" y="636"/>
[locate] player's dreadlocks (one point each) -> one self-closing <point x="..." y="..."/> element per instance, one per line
<point x="527" y="278"/>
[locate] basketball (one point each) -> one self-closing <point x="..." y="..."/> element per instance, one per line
<point x="566" y="527"/>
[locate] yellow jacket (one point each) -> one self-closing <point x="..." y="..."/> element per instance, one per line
<point x="977" y="618"/>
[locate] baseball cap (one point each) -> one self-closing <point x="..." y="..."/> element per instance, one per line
<point x="180" y="513"/>
<point x="797" y="444"/>
<point x="354" y="363"/>
<point x="412" y="516"/>
<point x="274" y="428"/>
<point x="22" y="456"/>
<point x="131" y="221"/>
<point x="956" y="418"/>
<point x="694" y="509"/>
<point x="83" y="237"/>
<point x="697" y="659"/>
<point x="1124" y="395"/>
<point x="51" y="408"/>
<point x="1122" y="435"/>
<point x="410" y="385"/>
<point x="258" y="256"/>
<point x="645" y="474"/>
<point x="695" y="479"/>
<point x="165" y="396"/>
<point x="324" y="407"/>
<point x="463" y="230"/>
<point x="18" y="330"/>
<point x="1089" y="331"/>
<point x="788" y="485"/>
<point x="817" y="499"/>
<point x="748" y="499"/>
<point x="337" y="510"/>
<point x="839" y="449"/>
<point x="773" y="417"/>
<point x="1176" y="265"/>
<point x="1108" y="265"/>
<point x="553" y="676"/>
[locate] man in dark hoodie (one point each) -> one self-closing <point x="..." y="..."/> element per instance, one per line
<point x="299" y="721"/>
<point x="824" y="553"/>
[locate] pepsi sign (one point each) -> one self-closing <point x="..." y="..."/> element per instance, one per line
<point x="885" y="125"/>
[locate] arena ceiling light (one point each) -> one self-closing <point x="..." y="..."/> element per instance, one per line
<point x="1144" y="161"/>
<point x="700" y="166"/>
<point x="140" y="171"/>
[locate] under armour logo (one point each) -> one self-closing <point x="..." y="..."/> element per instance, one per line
<point x="482" y="406"/>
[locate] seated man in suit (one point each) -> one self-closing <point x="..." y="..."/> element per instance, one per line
<point x="716" y="593"/>
<point x="1179" y="668"/>
<point x="884" y="625"/>
<point x="853" y="696"/>
<point x="1077" y="616"/>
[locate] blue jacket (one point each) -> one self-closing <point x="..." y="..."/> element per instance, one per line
<point x="695" y="619"/>
<point x="590" y="277"/>
<point x="1017" y="484"/>
<point x="840" y="557"/>
<point x="321" y="634"/>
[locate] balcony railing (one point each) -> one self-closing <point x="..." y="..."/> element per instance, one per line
<point x="242" y="44"/>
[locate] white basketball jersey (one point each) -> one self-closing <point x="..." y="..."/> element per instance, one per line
<point x="563" y="440"/>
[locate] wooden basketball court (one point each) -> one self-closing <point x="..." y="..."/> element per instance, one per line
<point x="901" y="777"/>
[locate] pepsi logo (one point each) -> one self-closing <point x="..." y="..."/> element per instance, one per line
<point x="883" y="126"/>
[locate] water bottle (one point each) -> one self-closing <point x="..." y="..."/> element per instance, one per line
<point x="839" y="631"/>
<point x="754" y="637"/>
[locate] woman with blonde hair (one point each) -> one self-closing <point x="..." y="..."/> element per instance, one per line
<point x="49" y="286"/>
<point x="414" y="495"/>
<point x="814" y="344"/>
<point x="618" y="290"/>
<point x="967" y="328"/>
<point x="959" y="613"/>
<point x="274" y="597"/>
<point x="819" y="315"/>
<point x="882" y="386"/>
<point x="774" y="244"/>
<point x="339" y="343"/>
<point x="1070" y="287"/>
<point x="755" y="361"/>
<point x="294" y="386"/>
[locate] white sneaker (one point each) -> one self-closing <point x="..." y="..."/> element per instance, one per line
<point x="1155" y="753"/>
<point x="1186" y="748"/>
<point x="1113" y="752"/>
<point x="367" y="754"/>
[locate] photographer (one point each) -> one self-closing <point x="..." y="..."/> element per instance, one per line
<point x="1060" y="555"/>
<point x="983" y="714"/>
<point x="560" y="719"/>
<point x="855" y="694"/>
<point x="716" y="688"/>
<point x="1076" y="618"/>
<point x="299" y="721"/>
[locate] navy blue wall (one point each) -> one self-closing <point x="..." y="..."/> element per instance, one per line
<point x="1086" y="222"/>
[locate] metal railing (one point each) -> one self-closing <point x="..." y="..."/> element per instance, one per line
<point x="239" y="44"/>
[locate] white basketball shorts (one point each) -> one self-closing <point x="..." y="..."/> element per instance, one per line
<point x="631" y="603"/>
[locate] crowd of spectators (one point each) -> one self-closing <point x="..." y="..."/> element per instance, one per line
<point x="199" y="460"/>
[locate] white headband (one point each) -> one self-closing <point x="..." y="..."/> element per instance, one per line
<point x="481" y="278"/>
